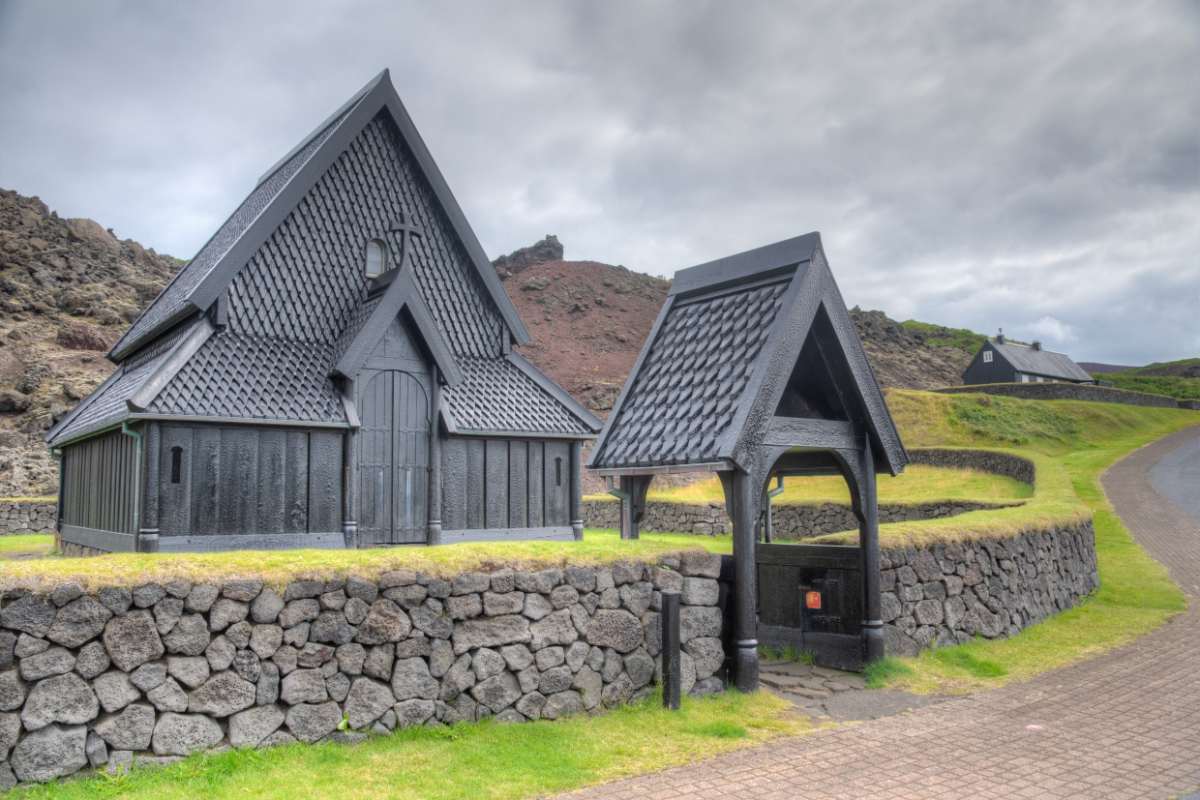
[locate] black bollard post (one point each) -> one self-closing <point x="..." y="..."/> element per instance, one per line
<point x="670" y="650"/>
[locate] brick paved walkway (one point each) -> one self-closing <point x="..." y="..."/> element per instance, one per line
<point x="1123" y="725"/>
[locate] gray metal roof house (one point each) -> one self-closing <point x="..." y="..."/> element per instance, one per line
<point x="754" y="370"/>
<point x="1002" y="361"/>
<point x="334" y="368"/>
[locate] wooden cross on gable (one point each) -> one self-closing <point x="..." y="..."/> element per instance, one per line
<point x="407" y="230"/>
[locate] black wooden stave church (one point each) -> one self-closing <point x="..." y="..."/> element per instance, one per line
<point x="334" y="368"/>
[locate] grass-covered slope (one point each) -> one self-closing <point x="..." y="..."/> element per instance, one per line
<point x="918" y="484"/>
<point x="1178" y="379"/>
<point x="1073" y="443"/>
<point x="940" y="336"/>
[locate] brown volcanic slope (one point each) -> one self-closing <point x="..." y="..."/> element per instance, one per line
<point x="588" y="321"/>
<point x="68" y="288"/>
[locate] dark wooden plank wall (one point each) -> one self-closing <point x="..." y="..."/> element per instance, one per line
<point x="239" y="479"/>
<point x="100" y="483"/>
<point x="505" y="483"/>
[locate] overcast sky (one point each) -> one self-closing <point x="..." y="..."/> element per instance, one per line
<point x="1032" y="165"/>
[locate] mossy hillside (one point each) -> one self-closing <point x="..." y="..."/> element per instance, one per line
<point x="940" y="336"/>
<point x="1079" y="441"/>
<point x="1051" y="427"/>
<point x="1181" y="388"/>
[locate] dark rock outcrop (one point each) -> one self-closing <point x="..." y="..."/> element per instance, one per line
<point x="548" y="249"/>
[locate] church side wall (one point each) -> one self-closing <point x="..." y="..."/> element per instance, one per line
<point x="241" y="486"/>
<point x="99" y="491"/>
<point x="505" y="487"/>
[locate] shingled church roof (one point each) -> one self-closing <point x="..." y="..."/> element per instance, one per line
<point x="257" y="325"/>
<point x="720" y="354"/>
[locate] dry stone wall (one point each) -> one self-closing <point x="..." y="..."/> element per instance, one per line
<point x="997" y="463"/>
<point x="1067" y="391"/>
<point x="949" y="593"/>
<point x="789" y="521"/>
<point x="115" y="677"/>
<point x="18" y="516"/>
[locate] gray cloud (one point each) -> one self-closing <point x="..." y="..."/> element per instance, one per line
<point x="1030" y="165"/>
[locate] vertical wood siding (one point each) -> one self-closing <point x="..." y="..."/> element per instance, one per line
<point x="238" y="479"/>
<point x="505" y="483"/>
<point x="100" y="478"/>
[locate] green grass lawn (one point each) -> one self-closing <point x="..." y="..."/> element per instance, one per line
<point x="26" y="543"/>
<point x="488" y="761"/>
<point x="918" y="484"/>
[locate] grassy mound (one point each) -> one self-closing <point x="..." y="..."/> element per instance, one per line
<point x="277" y="567"/>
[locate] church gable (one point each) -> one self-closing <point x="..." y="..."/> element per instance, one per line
<point x="353" y="229"/>
<point x="812" y="391"/>
<point x="308" y="280"/>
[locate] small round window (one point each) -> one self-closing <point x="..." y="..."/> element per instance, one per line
<point x="376" y="258"/>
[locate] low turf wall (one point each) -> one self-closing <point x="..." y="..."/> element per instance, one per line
<point x="801" y="521"/>
<point x="788" y="521"/>
<point x="949" y="593"/>
<point x="22" y="516"/>
<point x="1067" y="391"/>
<point x="117" y="676"/>
<point x="991" y="461"/>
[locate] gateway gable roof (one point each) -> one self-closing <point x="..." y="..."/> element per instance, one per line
<point x="720" y="356"/>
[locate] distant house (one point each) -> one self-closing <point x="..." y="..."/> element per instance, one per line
<point x="334" y="368"/>
<point x="1002" y="361"/>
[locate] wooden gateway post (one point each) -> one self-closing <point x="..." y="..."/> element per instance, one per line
<point x="753" y="370"/>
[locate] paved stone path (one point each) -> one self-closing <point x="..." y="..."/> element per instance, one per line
<point x="1123" y="725"/>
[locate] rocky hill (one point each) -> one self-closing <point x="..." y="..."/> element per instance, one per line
<point x="588" y="321"/>
<point x="68" y="288"/>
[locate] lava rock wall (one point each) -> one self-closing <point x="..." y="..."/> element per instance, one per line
<point x="949" y="593"/>
<point x="18" y="516"/>
<point x="117" y="676"/>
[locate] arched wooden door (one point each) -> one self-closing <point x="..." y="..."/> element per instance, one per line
<point x="393" y="458"/>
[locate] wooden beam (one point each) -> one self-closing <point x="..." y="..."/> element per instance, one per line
<point x="868" y="537"/>
<point x="435" y="461"/>
<point x="746" y="497"/>
<point x="576" y="498"/>
<point x="817" y="433"/>
<point x="667" y="469"/>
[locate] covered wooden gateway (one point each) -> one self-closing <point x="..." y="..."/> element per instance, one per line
<point x="334" y="368"/>
<point x="754" y="369"/>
